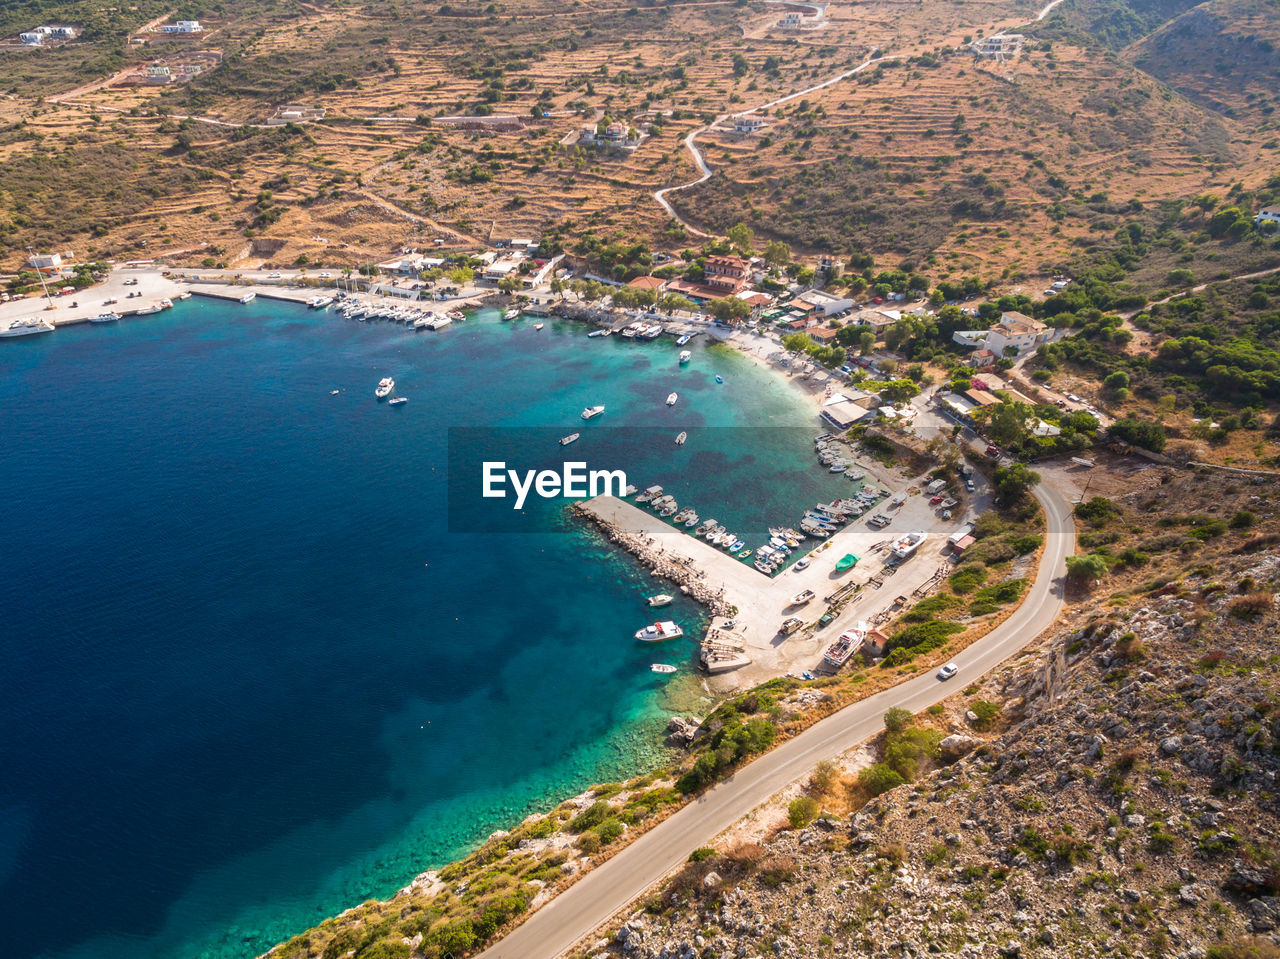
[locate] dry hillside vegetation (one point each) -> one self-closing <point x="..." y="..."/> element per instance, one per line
<point x="929" y="155"/>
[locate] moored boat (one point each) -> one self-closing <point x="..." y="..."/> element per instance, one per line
<point x="385" y="386"/>
<point x="846" y="562"/>
<point x="105" y="317"/>
<point x="598" y="333"/>
<point x="27" y="327"/>
<point x="662" y="668"/>
<point x="512" y="314"/>
<point x="685" y="356"/>
<point x="661" y="599"/>
<point x="397" y="401"/>
<point x="671" y="398"/>
<point x="571" y="438"/>
<point x="659" y="631"/>
<point x="681" y="437"/>
<point x="592" y="411"/>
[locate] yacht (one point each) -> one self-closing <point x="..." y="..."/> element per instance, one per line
<point x="662" y="599"/>
<point x="681" y="437"/>
<point x="571" y="438"/>
<point x="592" y="411"/>
<point x="32" y="324"/>
<point x="439" y="322"/>
<point x="512" y="314"/>
<point x="685" y="355"/>
<point x="671" y="398"/>
<point x="849" y="642"/>
<point x="397" y="400"/>
<point x="105" y="317"/>
<point x="659" y="631"/>
<point x="385" y="386"/>
<point x="908" y="544"/>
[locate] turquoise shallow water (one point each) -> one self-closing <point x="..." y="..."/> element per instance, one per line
<point x="249" y="677"/>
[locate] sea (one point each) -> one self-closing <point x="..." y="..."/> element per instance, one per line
<point x="254" y="669"/>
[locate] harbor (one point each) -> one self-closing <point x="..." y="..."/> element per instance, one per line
<point x="758" y="630"/>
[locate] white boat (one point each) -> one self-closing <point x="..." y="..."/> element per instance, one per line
<point x="651" y="493"/>
<point x="318" y="302"/>
<point x="855" y="476"/>
<point x="385" y="386"/>
<point x="736" y="545"/>
<point x="105" y="317"/>
<point x="659" y="631"/>
<point x="249" y="297"/>
<point x="685" y="356"/>
<point x="538" y="326"/>
<point x="671" y="398"/>
<point x="397" y="400"/>
<point x="848" y="643"/>
<point x="571" y="438"/>
<point x="662" y="599"/>
<point x="512" y="314"/>
<point x="27" y="327"/>
<point x="681" y="437"/>
<point x="439" y="322"/>
<point x="598" y="333"/>
<point x="662" y="668"/>
<point x="592" y="411"/>
<point x="908" y="544"/>
<point x="799" y="599"/>
<point x="683" y="340"/>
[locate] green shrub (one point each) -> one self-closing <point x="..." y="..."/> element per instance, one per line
<point x="1023" y="545"/>
<point x="968" y="578"/>
<point x="879" y="778"/>
<point x="591" y="817"/>
<point x="609" y="830"/>
<point x="930" y="608"/>
<point x="801" y="811"/>
<point x="985" y="711"/>
<point x="699" y="855"/>
<point x="922" y="637"/>
<point x="1243" y="519"/>
<point x="1097" y="511"/>
<point x="990" y="598"/>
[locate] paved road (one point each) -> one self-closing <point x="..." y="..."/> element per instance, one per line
<point x="588" y="904"/>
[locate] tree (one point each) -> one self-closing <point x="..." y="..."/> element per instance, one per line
<point x="1145" y="433"/>
<point x="674" y="301"/>
<point x="899" y="391"/>
<point x="729" y="308"/>
<point x="1119" y="380"/>
<point x="1088" y="568"/>
<point x="461" y="275"/>
<point x="777" y="253"/>
<point x="508" y="285"/>
<point x="879" y="778"/>
<point x="802" y="811"/>
<point x="898" y="719"/>
<point x="741" y="237"/>
<point x="796" y="342"/>
<point x="1007" y="422"/>
<point x="1013" y="482"/>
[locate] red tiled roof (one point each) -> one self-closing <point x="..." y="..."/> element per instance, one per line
<point x="646" y="282"/>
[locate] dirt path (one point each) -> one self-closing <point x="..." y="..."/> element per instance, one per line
<point x="700" y="161"/>
<point x="1046" y="9"/>
<point x="398" y="211"/>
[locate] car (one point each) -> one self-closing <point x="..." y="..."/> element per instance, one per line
<point x="993" y="452"/>
<point x="947" y="671"/>
<point x="326" y="276"/>
<point x="274" y="276"/>
<point x="968" y="484"/>
<point x="936" y="500"/>
<point x="826" y="618"/>
<point x="1073" y="398"/>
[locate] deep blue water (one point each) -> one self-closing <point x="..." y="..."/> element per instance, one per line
<point x="248" y="677"/>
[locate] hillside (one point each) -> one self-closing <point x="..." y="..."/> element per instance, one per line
<point x="1122" y="801"/>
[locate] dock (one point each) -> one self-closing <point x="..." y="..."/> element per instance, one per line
<point x="743" y="644"/>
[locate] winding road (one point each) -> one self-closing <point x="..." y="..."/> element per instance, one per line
<point x="591" y="902"/>
<point x="700" y="161"/>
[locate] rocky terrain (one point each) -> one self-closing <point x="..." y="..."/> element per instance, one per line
<point x="1123" y="801"/>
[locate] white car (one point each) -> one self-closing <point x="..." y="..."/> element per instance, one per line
<point x="947" y="671"/>
<point x="326" y="276"/>
<point x="274" y="276"/>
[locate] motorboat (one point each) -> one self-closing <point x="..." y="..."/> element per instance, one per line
<point x="249" y="297"/>
<point x="385" y="386"/>
<point x="661" y="599"/>
<point x="650" y="493"/>
<point x="591" y="412"/>
<point x="105" y="317"/>
<point x="799" y="599"/>
<point x="681" y="437"/>
<point x="686" y="355"/>
<point x="858" y="475"/>
<point x="736" y="545"/>
<point x="659" y="631"/>
<point x="571" y="438"/>
<point x="719" y="378"/>
<point x="598" y="333"/>
<point x="538" y="326"/>
<point x="848" y="643"/>
<point x="846" y="562"/>
<point x="27" y="327"/>
<point x="691" y="521"/>
<point x="397" y="401"/>
<point x="685" y="338"/>
<point x="662" y="668"/>
<point x="512" y="314"/>
<point x="908" y="544"/>
<point x="671" y="398"/>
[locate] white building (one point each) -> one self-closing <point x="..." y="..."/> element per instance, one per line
<point x="45" y="261"/>
<point x="821" y="303"/>
<point x="998" y="46"/>
<point x="748" y="123"/>
<point x="1015" y="334"/>
<point x="183" y="26"/>
<point x="36" y="36"/>
<point x="1268" y="214"/>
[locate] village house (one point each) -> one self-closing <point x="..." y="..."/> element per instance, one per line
<point x="654" y="283"/>
<point x="821" y="303"/>
<point x="998" y="46"/>
<point x="981" y="360"/>
<point x="182" y="26"/>
<point x="748" y="123"/>
<point x="843" y="412"/>
<point x="1014" y="335"/>
<point x="726" y="274"/>
<point x="823" y="335"/>
<point x="1268" y="214"/>
<point x="45" y="261"/>
<point x="38" y="35"/>
<point x="876" y="320"/>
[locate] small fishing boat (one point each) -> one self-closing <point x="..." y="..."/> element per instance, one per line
<point x="571" y="438"/>
<point x="671" y="398"/>
<point x="105" y="317"/>
<point x="659" y="631"/>
<point x="249" y="297"/>
<point x="397" y="401"/>
<point x="684" y="339"/>
<point x="719" y="378"/>
<point x="681" y="437"/>
<point x="799" y="599"/>
<point x="745" y="553"/>
<point x="662" y="599"/>
<point x="538" y="326"/>
<point x="736" y="545"/>
<point x="662" y="668"/>
<point x="512" y="314"/>
<point x="598" y="333"/>
<point x="858" y="475"/>
<point x="651" y="493"/>
<point x="685" y="356"/>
